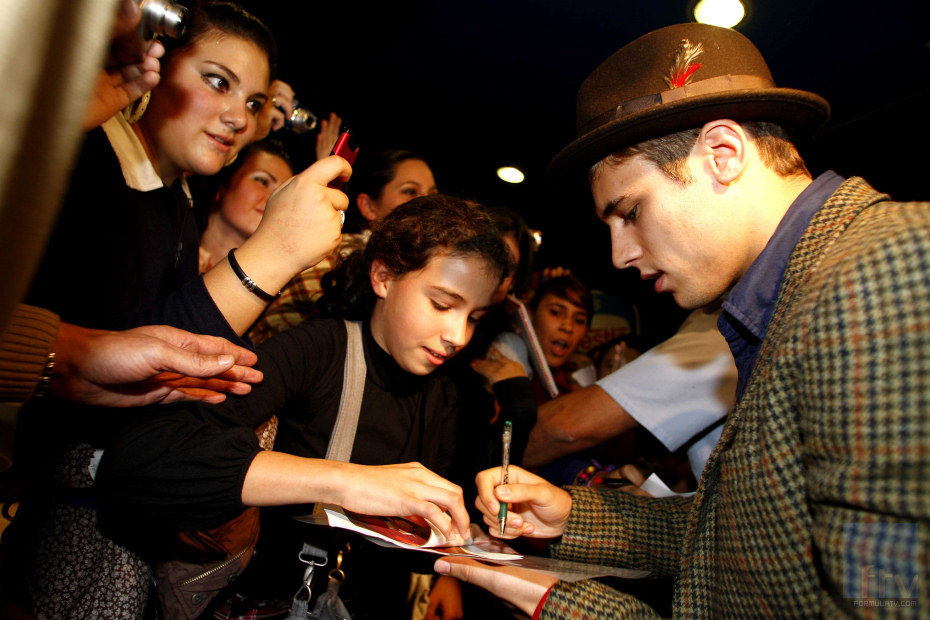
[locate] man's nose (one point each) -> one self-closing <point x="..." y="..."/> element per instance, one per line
<point x="624" y="251"/>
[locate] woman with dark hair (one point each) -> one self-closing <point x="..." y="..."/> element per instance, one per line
<point x="137" y="248"/>
<point x="420" y="286"/>
<point x="124" y="253"/>
<point x="380" y="183"/>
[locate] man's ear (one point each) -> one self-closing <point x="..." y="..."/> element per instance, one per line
<point x="366" y="207"/>
<point x="381" y="278"/>
<point x="725" y="147"/>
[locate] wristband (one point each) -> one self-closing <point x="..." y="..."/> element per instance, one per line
<point x="45" y="379"/>
<point x="248" y="282"/>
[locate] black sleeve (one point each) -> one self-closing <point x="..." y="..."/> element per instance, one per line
<point x="515" y="397"/>
<point x="446" y="429"/>
<point x="118" y="258"/>
<point x="183" y="465"/>
<point x="190" y="308"/>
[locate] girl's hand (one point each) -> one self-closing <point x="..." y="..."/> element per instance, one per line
<point x="302" y="224"/>
<point x="402" y="490"/>
<point x="537" y="509"/>
<point x="496" y="366"/>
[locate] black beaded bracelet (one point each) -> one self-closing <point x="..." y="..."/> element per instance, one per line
<point x="248" y="282"/>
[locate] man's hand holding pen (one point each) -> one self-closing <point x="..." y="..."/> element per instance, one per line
<point x="538" y="509"/>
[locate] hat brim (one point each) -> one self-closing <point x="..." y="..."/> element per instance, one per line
<point x="799" y="112"/>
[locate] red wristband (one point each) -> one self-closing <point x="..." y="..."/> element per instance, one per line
<point x="542" y="602"/>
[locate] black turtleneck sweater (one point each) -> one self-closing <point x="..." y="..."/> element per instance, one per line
<point x="182" y="466"/>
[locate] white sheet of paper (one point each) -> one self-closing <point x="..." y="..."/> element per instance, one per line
<point x="585" y="376"/>
<point x="656" y="488"/>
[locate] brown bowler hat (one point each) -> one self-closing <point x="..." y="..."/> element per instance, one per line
<point x="676" y="78"/>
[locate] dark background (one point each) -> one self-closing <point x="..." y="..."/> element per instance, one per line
<point x="479" y="84"/>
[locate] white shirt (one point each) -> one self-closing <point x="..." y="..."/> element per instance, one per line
<point x="680" y="387"/>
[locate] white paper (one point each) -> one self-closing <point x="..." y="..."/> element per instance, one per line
<point x="585" y="376"/>
<point x="656" y="488"/>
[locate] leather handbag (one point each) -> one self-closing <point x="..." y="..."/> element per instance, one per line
<point x="206" y="561"/>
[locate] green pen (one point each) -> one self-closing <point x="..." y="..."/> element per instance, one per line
<point x="505" y="463"/>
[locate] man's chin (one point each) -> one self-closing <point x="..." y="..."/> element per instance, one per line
<point x="691" y="300"/>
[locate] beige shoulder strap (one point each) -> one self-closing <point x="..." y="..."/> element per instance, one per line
<point x="350" y="404"/>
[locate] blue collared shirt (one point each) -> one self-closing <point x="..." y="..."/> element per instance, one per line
<point x="749" y="306"/>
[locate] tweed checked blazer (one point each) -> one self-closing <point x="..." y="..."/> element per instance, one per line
<point x="828" y="446"/>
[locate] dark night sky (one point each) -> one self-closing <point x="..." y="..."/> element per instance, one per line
<point x="478" y="84"/>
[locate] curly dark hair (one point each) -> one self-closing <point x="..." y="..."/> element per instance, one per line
<point x="405" y="240"/>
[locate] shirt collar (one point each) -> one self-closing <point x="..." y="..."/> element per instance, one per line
<point x="138" y="171"/>
<point x="752" y="301"/>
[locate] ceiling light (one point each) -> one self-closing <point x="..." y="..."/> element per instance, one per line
<point x="537" y="237"/>
<point x="510" y="174"/>
<point x="724" y="13"/>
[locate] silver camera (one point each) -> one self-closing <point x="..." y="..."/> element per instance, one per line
<point x="301" y="119"/>
<point x="162" y="18"/>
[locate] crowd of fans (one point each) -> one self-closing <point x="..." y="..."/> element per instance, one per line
<point x="194" y="276"/>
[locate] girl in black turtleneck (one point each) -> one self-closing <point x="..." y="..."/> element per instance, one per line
<point x="422" y="282"/>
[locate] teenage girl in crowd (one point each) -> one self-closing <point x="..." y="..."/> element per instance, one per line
<point x="423" y="281"/>
<point x="561" y="311"/>
<point x="381" y="182"/>
<point x="124" y="252"/>
<point x="240" y="200"/>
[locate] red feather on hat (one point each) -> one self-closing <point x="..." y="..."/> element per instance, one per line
<point x="683" y="66"/>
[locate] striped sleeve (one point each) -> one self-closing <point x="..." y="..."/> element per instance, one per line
<point x="24" y="348"/>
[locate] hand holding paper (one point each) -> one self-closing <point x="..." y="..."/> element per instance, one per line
<point x="399" y="490"/>
<point x="520" y="586"/>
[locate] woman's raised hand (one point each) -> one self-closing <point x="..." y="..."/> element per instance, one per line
<point x="537" y="509"/>
<point x="302" y="223"/>
<point x="402" y="490"/>
<point x="277" y="110"/>
<point x="328" y="134"/>
<point x="130" y="70"/>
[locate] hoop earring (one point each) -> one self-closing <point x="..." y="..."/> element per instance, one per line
<point x="134" y="111"/>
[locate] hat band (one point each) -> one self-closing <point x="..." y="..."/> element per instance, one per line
<point x="719" y="84"/>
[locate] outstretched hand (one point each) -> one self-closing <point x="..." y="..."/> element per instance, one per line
<point x="537" y="509"/>
<point x="146" y="365"/>
<point x="402" y="490"/>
